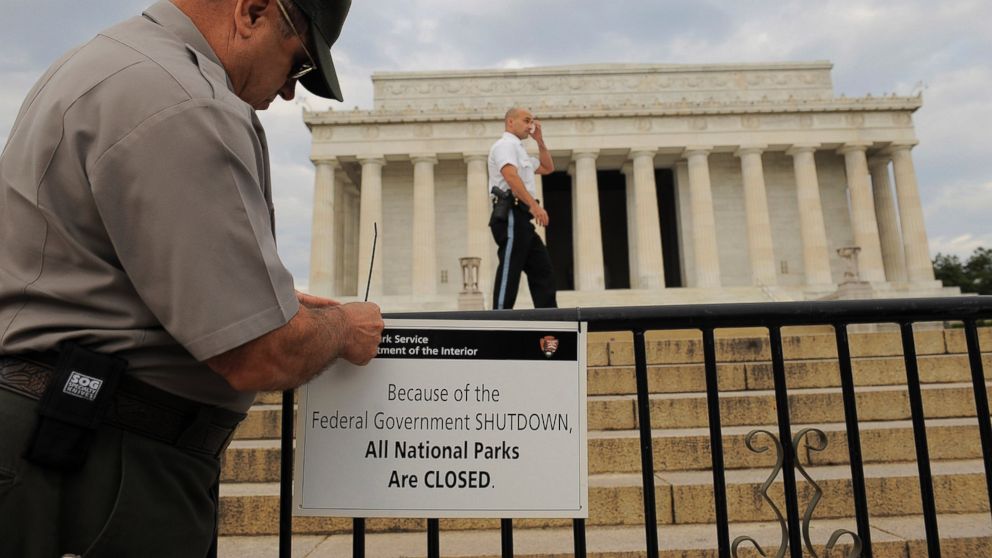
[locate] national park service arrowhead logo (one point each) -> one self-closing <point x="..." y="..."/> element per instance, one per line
<point x="549" y="344"/>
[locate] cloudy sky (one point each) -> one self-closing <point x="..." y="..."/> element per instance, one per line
<point x="904" y="46"/>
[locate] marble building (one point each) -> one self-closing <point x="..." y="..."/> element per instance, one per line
<point x="674" y="184"/>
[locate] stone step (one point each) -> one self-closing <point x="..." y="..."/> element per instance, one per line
<point x="875" y="403"/>
<point x="757" y="375"/>
<point x="962" y="535"/>
<point x="689" y="448"/>
<point x="752" y="345"/>
<point x="681" y="498"/>
<point x="815" y="405"/>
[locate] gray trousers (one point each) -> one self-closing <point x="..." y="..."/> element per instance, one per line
<point x="133" y="497"/>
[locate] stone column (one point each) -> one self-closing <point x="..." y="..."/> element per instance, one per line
<point x="816" y="255"/>
<point x="627" y="169"/>
<point x="423" y="265"/>
<point x="479" y="239"/>
<point x="588" y="239"/>
<point x="759" y="228"/>
<point x="354" y="222"/>
<point x="340" y="233"/>
<point x="346" y="216"/>
<point x="707" y="258"/>
<point x="647" y="226"/>
<point x="370" y="212"/>
<point x="888" y="224"/>
<point x="863" y="211"/>
<point x="914" y="232"/>
<point x="323" y="244"/>
<point x="683" y="201"/>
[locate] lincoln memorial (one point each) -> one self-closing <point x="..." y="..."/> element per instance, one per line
<point x="674" y="184"/>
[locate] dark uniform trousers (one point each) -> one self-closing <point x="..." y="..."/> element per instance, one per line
<point x="520" y="249"/>
<point x="133" y="497"/>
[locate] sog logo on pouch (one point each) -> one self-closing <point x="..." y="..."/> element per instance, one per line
<point x="82" y="386"/>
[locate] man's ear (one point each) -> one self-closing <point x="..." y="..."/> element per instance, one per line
<point x="248" y="15"/>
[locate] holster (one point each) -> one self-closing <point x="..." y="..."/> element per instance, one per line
<point x="502" y="203"/>
<point x="73" y="406"/>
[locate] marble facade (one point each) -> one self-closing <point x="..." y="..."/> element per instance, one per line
<point x="771" y="173"/>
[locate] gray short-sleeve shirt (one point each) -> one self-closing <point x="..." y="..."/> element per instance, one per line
<point x="136" y="212"/>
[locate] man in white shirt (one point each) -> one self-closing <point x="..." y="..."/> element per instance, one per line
<point x="511" y="177"/>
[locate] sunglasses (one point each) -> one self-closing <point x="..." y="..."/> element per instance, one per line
<point x="303" y="68"/>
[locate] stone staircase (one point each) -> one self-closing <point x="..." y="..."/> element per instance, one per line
<point x="683" y="481"/>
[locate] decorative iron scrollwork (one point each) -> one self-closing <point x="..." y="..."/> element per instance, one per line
<point x="816" y="442"/>
<point x="779" y="459"/>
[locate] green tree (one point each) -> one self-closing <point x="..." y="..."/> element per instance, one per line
<point x="979" y="271"/>
<point x="973" y="276"/>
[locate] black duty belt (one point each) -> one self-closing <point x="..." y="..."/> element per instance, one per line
<point x="138" y="407"/>
<point x="517" y="202"/>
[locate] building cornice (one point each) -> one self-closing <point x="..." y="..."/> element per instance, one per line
<point x="701" y="108"/>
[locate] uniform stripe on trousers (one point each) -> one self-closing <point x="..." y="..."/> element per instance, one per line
<point x="507" y="254"/>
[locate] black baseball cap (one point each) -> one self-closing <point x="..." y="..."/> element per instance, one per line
<point x="326" y="19"/>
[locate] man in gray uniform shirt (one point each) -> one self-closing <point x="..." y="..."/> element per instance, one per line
<point x="142" y="301"/>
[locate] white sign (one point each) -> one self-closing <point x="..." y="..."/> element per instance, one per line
<point x="452" y="419"/>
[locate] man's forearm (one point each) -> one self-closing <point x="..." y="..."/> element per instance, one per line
<point x="289" y="356"/>
<point x="544" y="156"/>
<point x="519" y="190"/>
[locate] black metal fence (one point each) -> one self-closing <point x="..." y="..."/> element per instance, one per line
<point x="773" y="316"/>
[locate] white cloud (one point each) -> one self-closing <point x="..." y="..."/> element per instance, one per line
<point x="961" y="200"/>
<point x="876" y="46"/>
<point x="961" y="246"/>
<point x="514" y="64"/>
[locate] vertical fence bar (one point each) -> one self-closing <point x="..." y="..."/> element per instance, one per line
<point x="785" y="433"/>
<point x="716" y="444"/>
<point x="433" y="538"/>
<point x="853" y="438"/>
<point x="579" y="537"/>
<point x="506" y="537"/>
<point x="981" y="399"/>
<point x="647" y="447"/>
<point x="920" y="436"/>
<point x="358" y="537"/>
<point x="286" y="477"/>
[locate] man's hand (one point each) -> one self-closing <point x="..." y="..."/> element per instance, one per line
<point x="313" y="302"/>
<point x="540" y="215"/>
<point x="365" y="327"/>
<point x="537" y="134"/>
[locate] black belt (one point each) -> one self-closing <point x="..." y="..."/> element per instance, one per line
<point x="517" y="202"/>
<point x="137" y="407"/>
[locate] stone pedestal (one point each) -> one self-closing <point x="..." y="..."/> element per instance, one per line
<point x="470" y="298"/>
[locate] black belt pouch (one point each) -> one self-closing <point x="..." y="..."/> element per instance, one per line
<point x="502" y="202"/>
<point x="73" y="406"/>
